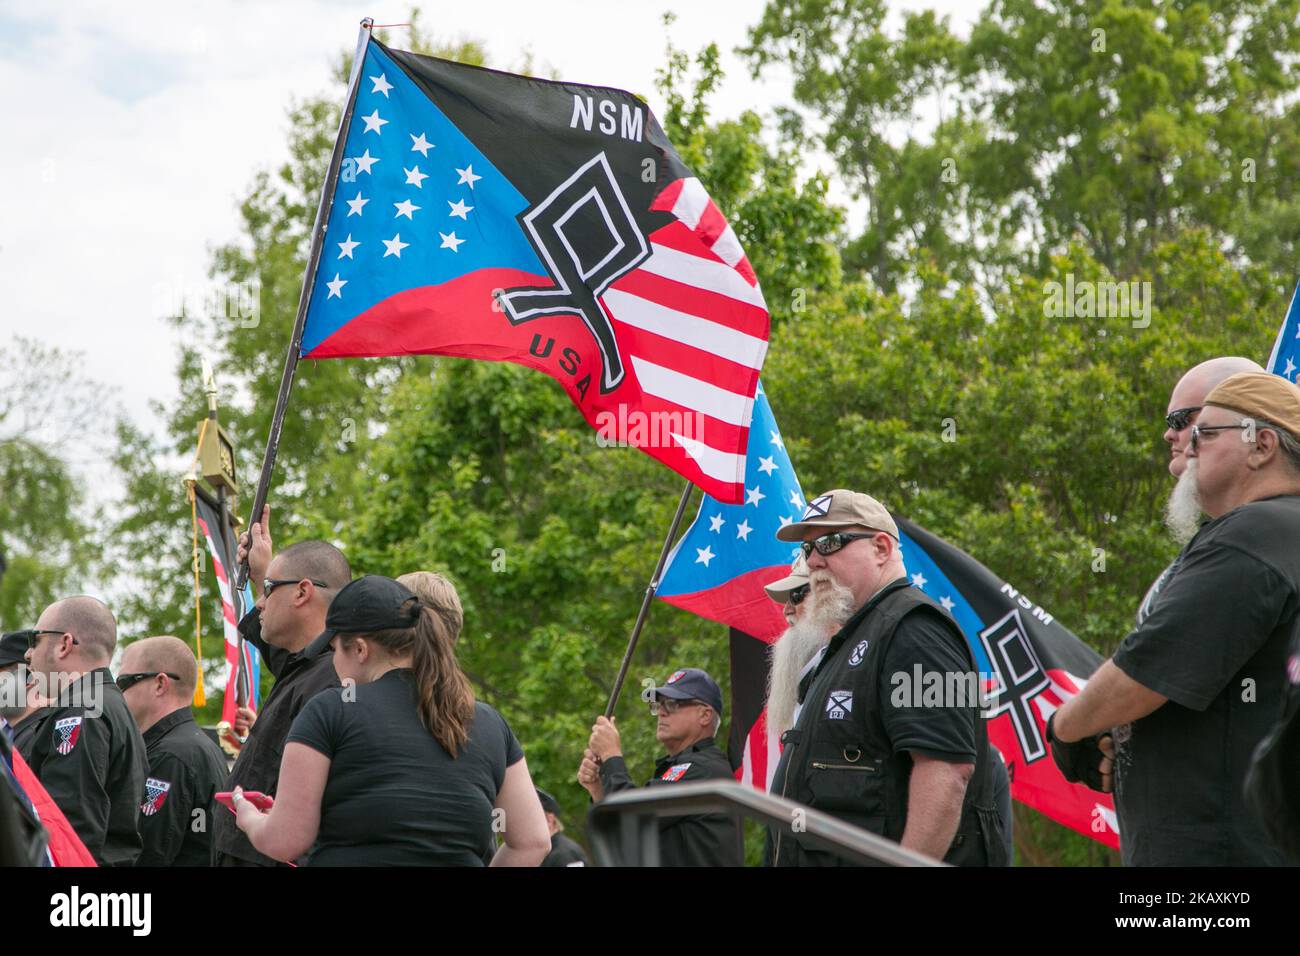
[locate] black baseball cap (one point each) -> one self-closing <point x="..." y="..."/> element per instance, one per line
<point x="549" y="803"/>
<point x="13" y="648"/>
<point x="368" y="604"/>
<point x="689" y="684"/>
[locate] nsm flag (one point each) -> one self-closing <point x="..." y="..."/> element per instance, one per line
<point x="492" y="216"/>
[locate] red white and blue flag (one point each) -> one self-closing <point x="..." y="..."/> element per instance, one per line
<point x="1284" y="360"/>
<point x="243" y="676"/>
<point x="492" y="216"/>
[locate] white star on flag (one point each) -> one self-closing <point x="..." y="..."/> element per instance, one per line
<point x="918" y="579"/>
<point x="420" y="145"/>
<point x="776" y="440"/>
<point x="356" y="205"/>
<point x="795" y="499"/>
<point x="705" y="555"/>
<point x="450" y="242"/>
<point x="459" y="209"/>
<point x="365" y="161"/>
<point x="336" y="287"/>
<point x="716" y="523"/>
<point x="374" y="123"/>
<point x="404" y="208"/>
<point x="467" y="177"/>
<point x="743" y="529"/>
<point x="753" y="496"/>
<point x="414" y="177"/>
<point x="346" y="247"/>
<point x="947" y="602"/>
<point x="786" y="521"/>
<point x="767" y="465"/>
<point x="395" y="246"/>
<point x="381" y="84"/>
<point x="1289" y="370"/>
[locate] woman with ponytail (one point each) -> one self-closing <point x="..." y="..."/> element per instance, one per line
<point x="401" y="766"/>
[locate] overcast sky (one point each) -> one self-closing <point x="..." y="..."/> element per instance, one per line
<point x="132" y="131"/>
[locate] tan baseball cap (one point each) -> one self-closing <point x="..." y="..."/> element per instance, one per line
<point x="840" y="508"/>
<point x="1260" y="395"/>
<point x="779" y="591"/>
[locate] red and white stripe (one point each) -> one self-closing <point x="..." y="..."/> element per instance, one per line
<point x="693" y="324"/>
<point x="229" y="628"/>
<point x="760" y="757"/>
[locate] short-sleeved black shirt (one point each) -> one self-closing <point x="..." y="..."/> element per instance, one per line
<point x="186" y="767"/>
<point x="394" y="796"/>
<point x="1214" y="644"/>
<point x="923" y="646"/>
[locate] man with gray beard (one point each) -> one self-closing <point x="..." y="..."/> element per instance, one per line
<point x="1183" y="510"/>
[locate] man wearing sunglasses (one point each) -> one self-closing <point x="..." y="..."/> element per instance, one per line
<point x="688" y="709"/>
<point x="1172" y="718"/>
<point x="186" y="767"/>
<point x="295" y="589"/>
<point x="796" y="652"/>
<point x="1183" y="510"/>
<point x="919" y="775"/>
<point x="86" y="750"/>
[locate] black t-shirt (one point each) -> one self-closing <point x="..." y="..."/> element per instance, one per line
<point x="923" y="646"/>
<point x="394" y="796"/>
<point x="1214" y="644"/>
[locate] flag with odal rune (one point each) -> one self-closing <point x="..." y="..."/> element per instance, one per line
<point x="719" y="566"/>
<point x="493" y="216"/>
<point x="1284" y="360"/>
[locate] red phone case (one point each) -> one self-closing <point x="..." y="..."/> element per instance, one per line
<point x="258" y="799"/>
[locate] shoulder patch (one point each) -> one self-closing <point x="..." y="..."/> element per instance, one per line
<point x="155" y="793"/>
<point x="675" y="772"/>
<point x="66" y="732"/>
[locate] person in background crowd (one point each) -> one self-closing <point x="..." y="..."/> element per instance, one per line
<point x="689" y="708"/>
<point x="295" y="588"/>
<point x="86" y="751"/>
<point x="20" y="704"/>
<point x="401" y="766"/>
<point x="186" y="767"/>
<point x="1197" y="685"/>
<point x="564" y="852"/>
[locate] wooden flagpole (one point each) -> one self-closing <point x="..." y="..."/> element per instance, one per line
<point x="308" y="285"/>
<point x="645" y="602"/>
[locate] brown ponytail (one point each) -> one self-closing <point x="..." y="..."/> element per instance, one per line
<point x="446" y="698"/>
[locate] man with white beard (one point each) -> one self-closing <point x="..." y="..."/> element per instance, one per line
<point x="1201" y="680"/>
<point x="914" y="771"/>
<point x="794" y="654"/>
<point x="1183" y="511"/>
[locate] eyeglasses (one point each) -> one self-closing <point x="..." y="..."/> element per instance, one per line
<point x="666" y="706"/>
<point x="1180" y="418"/>
<point x="34" y="637"/>
<point x="270" y="584"/>
<point x="1199" y="430"/>
<point x="130" y="680"/>
<point x="796" y="596"/>
<point x="830" y="543"/>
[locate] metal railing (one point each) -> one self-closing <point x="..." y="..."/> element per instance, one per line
<point x="624" y="827"/>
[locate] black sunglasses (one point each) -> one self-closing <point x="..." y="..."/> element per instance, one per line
<point x="1199" y="430"/>
<point x="34" y="637"/>
<point x="1180" y="418"/>
<point x="130" y="680"/>
<point x="830" y="543"/>
<point x="796" y="596"/>
<point x="270" y="584"/>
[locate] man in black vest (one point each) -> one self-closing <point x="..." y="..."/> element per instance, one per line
<point x="869" y="747"/>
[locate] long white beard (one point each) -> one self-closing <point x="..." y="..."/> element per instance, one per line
<point x="797" y="646"/>
<point x="1183" y="510"/>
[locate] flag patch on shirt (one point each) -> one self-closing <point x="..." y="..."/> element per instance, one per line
<point x="66" y="732"/>
<point x="839" y="704"/>
<point x="675" y="772"/>
<point x="155" y="792"/>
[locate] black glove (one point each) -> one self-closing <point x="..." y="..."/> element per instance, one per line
<point x="1080" y="762"/>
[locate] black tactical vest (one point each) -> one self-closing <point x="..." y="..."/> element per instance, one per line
<point x="839" y="760"/>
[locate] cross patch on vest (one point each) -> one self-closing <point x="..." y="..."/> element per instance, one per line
<point x="675" y="772"/>
<point x="858" y="654"/>
<point x="66" y="732"/>
<point x="155" y="793"/>
<point x="839" y="704"/>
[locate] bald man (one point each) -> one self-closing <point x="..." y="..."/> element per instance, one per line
<point x="86" y="751"/>
<point x="1183" y="510"/>
<point x="186" y="767"/>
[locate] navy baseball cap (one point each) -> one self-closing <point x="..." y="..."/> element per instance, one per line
<point x="689" y="684"/>
<point x="13" y="648"/>
<point x="549" y="803"/>
<point x="368" y="604"/>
